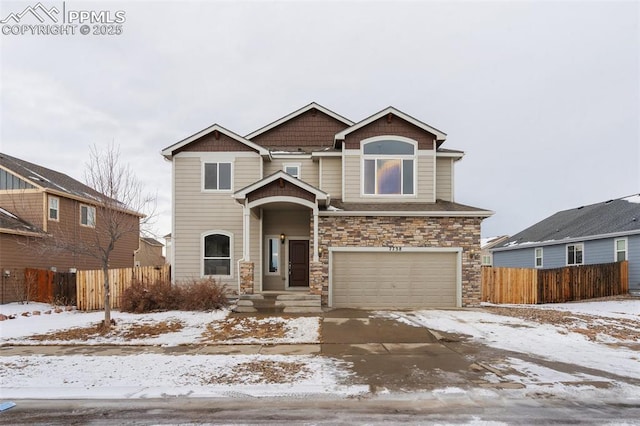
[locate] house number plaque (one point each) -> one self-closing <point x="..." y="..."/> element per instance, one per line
<point x="395" y="248"/>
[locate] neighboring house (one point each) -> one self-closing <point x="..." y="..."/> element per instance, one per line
<point x="361" y="214"/>
<point x="486" y="244"/>
<point x="599" y="233"/>
<point x="149" y="253"/>
<point x="44" y="215"/>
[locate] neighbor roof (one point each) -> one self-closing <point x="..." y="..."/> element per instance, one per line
<point x="618" y="216"/>
<point x="12" y="224"/>
<point x="46" y="178"/>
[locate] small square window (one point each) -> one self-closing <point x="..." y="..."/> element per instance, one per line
<point x="575" y="254"/>
<point x="293" y="170"/>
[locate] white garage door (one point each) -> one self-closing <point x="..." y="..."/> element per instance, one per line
<point x="388" y="280"/>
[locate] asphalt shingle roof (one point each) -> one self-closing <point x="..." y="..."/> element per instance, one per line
<point x="608" y="217"/>
<point x="11" y="222"/>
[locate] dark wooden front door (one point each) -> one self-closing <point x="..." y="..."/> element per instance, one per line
<point x="298" y="263"/>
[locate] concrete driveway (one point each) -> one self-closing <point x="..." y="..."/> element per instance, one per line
<point x="395" y="355"/>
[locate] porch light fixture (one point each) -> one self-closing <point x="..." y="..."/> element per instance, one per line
<point x="282" y="237"/>
<point x="320" y="251"/>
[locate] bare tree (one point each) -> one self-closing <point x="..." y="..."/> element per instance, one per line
<point x="120" y="203"/>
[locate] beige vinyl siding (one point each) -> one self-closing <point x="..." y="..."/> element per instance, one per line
<point x="444" y="179"/>
<point x="197" y="212"/>
<point x="309" y="169"/>
<point x="424" y="182"/>
<point x="331" y="176"/>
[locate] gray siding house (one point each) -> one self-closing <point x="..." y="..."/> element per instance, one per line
<point x="599" y="233"/>
<point x="351" y="214"/>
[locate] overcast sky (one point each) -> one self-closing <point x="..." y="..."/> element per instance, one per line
<point x="543" y="97"/>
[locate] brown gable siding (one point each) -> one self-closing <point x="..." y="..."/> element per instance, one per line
<point x="310" y="129"/>
<point x="27" y="205"/>
<point x="214" y="142"/>
<point x="280" y="188"/>
<point x="396" y="126"/>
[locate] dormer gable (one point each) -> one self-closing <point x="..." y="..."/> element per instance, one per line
<point x="214" y="139"/>
<point x="308" y="129"/>
<point x="390" y="121"/>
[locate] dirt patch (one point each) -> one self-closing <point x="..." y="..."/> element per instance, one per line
<point x="593" y="327"/>
<point x="257" y="372"/>
<point x="237" y="328"/>
<point x="125" y="331"/>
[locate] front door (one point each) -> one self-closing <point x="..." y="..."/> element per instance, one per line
<point x="298" y="263"/>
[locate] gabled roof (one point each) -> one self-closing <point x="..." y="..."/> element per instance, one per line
<point x="48" y="179"/>
<point x="440" y="136"/>
<point x="12" y="224"/>
<point x="151" y="241"/>
<point x="487" y="243"/>
<point x="320" y="195"/>
<point x="168" y="151"/>
<point x="296" y="113"/>
<point x="610" y="218"/>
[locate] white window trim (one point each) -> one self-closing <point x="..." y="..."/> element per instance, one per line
<point x="487" y="257"/>
<point x="566" y="253"/>
<point x="376" y="157"/>
<point x="202" y="175"/>
<point x="535" y="257"/>
<point x="231" y="247"/>
<point x="57" y="209"/>
<point x="266" y="254"/>
<point x="615" y="248"/>
<point x="297" y="165"/>
<point x="89" y="208"/>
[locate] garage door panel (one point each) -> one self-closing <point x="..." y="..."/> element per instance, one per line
<point x="394" y="279"/>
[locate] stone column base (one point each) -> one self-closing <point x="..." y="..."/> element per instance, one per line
<point x="246" y="278"/>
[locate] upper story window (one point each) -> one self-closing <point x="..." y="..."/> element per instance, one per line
<point x="9" y="181"/>
<point x="621" y="249"/>
<point x="538" y="257"/>
<point x="217" y="176"/>
<point x="217" y="254"/>
<point x="87" y="216"/>
<point x="575" y="254"/>
<point x="388" y="167"/>
<point x="292" y="169"/>
<point x="54" y="208"/>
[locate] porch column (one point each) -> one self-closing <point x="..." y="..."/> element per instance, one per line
<point x="315" y="234"/>
<point x="246" y="227"/>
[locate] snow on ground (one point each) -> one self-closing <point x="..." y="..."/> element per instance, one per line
<point x="547" y="341"/>
<point x="17" y="331"/>
<point x="156" y="376"/>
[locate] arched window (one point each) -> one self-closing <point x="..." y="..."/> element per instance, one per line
<point x="388" y="167"/>
<point x="217" y="254"/>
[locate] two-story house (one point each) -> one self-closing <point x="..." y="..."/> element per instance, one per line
<point x="47" y="221"/>
<point x="359" y="214"/>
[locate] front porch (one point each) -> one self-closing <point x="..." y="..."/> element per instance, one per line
<point x="274" y="302"/>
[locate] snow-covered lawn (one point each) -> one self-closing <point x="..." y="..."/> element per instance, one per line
<point x="189" y="328"/>
<point x="601" y="339"/>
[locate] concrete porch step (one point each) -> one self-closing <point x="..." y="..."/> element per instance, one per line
<point x="279" y="303"/>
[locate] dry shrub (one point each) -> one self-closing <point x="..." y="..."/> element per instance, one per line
<point x="203" y="295"/>
<point x="196" y="295"/>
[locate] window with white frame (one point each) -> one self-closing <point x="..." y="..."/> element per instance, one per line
<point x="575" y="254"/>
<point x="273" y="256"/>
<point x="388" y="167"/>
<point x="217" y="176"/>
<point x="486" y="260"/>
<point x="54" y="208"/>
<point x="87" y="216"/>
<point x="217" y="254"/>
<point x="292" y="169"/>
<point x="621" y="249"/>
<point x="538" y="257"/>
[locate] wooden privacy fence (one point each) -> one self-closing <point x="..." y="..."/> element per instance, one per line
<point x="530" y="286"/>
<point x="42" y="285"/>
<point x="90" y="284"/>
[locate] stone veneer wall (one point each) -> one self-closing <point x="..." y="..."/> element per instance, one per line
<point x="382" y="231"/>
<point x="246" y="278"/>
